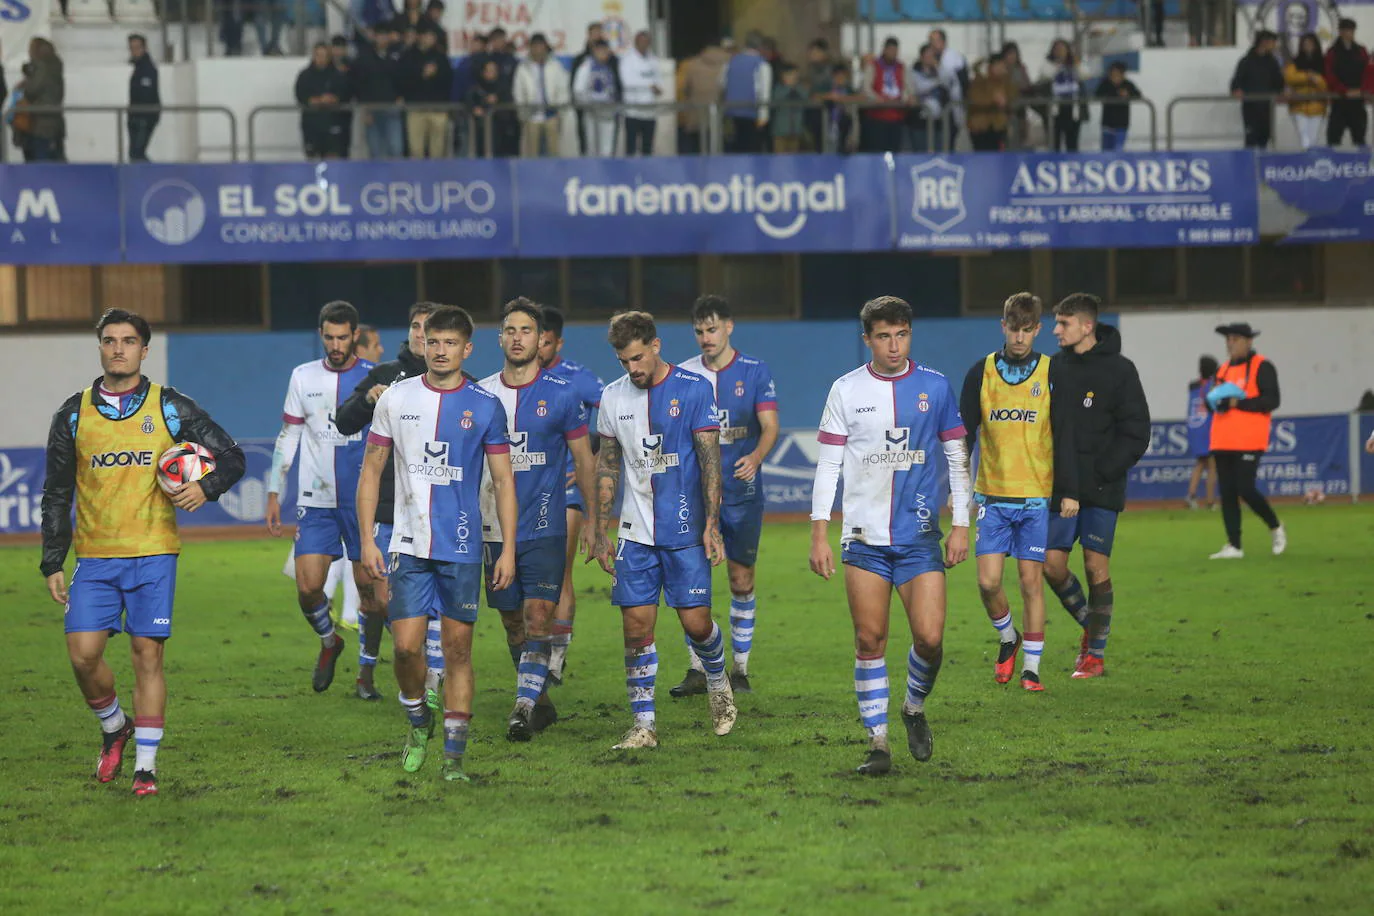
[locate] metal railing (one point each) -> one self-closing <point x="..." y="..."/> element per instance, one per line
<point x="1273" y="100"/>
<point x="712" y="127"/>
<point x="121" y="113"/>
<point x="459" y="114"/>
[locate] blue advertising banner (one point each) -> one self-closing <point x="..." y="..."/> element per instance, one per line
<point x="702" y="204"/>
<point x="334" y="211"/>
<point x="1306" y="454"/>
<point x="59" y="214"/>
<point x="21" y="491"/>
<point x="1328" y="196"/>
<point x="1041" y="200"/>
<point x="1366" y="459"/>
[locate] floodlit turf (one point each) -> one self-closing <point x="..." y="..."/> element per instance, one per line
<point x="1225" y="763"/>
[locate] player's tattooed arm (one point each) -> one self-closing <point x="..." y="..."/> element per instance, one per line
<point x="607" y="482"/>
<point x="707" y="445"/>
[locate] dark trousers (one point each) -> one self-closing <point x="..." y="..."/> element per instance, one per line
<point x="988" y="141"/>
<point x="639" y="136"/>
<point x="140" y="134"/>
<point x="1258" y="118"/>
<point x="1236" y="481"/>
<point x="1066" y="128"/>
<point x="688" y="142"/>
<point x="881" y="136"/>
<point x="1347" y="114"/>
<point x="747" y="137"/>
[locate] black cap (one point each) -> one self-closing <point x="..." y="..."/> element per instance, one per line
<point x="1240" y="327"/>
<point x="1346" y="24"/>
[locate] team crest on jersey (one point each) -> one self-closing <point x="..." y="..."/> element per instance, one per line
<point x="147" y="426"/>
<point x="924" y="403"/>
<point x="466" y="422"/>
<point x="1035" y="390"/>
<point x="1088" y="400"/>
<point x="674" y="410"/>
<point x="542" y="409"/>
<point x="739" y="388"/>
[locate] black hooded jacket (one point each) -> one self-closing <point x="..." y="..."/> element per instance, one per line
<point x="1111" y="419"/>
<point x="185" y="420"/>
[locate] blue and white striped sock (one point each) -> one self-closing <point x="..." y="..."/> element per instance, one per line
<point x="920" y="678"/>
<point x="531" y="672"/>
<point x="1032" y="647"/>
<point x="692" y="654"/>
<point x="416" y="710"/>
<point x="1006" y="632"/>
<point x="434" y="654"/>
<point x="641" y="670"/>
<point x="365" y="658"/>
<point x="321" y="622"/>
<point x="455" y="734"/>
<point x="712" y="655"/>
<point x="147" y="737"/>
<point x="742" y="610"/>
<point x="870" y="686"/>
<point x="107" y="710"/>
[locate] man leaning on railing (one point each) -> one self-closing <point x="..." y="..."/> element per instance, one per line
<point x="541" y="91"/>
<point x="1258" y="73"/>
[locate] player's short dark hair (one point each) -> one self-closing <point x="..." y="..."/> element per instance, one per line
<point x="887" y="309"/>
<point x="421" y="308"/>
<point x="840" y="67"/>
<point x="450" y="318"/>
<point x="819" y="44"/>
<point x="710" y="306"/>
<point x="365" y="334"/>
<point x="496" y="32"/>
<point x="1022" y="310"/>
<point x="1117" y="65"/>
<point x="339" y="312"/>
<point x="525" y="307"/>
<point x="628" y="327"/>
<point x="1085" y="305"/>
<point x="1207" y="367"/>
<point x="891" y="42"/>
<point x="553" y="321"/>
<point x="538" y="38"/>
<point x="120" y="316"/>
<point x="135" y="36"/>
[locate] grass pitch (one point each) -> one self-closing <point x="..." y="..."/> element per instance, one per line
<point x="1225" y="763"/>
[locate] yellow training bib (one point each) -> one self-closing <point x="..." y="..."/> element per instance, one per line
<point x="1016" y="448"/>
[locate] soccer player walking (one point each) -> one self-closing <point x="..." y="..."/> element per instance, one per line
<point x="747" y="405"/>
<point x="444" y="431"/>
<point x="547" y="425"/>
<point x="885" y="427"/>
<point x="588" y="388"/>
<point x="1111" y="431"/>
<point x="102" y="454"/>
<point x="658" y="425"/>
<point x="1010" y="402"/>
<point x="326" y="520"/>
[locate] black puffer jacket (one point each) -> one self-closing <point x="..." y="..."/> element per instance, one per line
<point x="1111" y="419"/>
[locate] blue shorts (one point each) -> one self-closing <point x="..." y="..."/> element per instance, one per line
<point x="898" y="564"/>
<point x="1093" y="527"/>
<point x="641" y="572"/>
<point x="328" y="532"/>
<point x="139" y="590"/>
<point x="1021" y="531"/>
<point x="418" y="585"/>
<point x="741" y="525"/>
<point x="539" y="568"/>
<point x="574" y="497"/>
<point x="382" y="535"/>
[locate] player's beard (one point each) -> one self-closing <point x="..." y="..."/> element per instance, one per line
<point x="520" y="362"/>
<point x="337" y="360"/>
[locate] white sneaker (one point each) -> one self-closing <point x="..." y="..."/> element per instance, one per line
<point x="1280" y="540"/>
<point x="1229" y="552"/>
<point x="723" y="711"/>
<point x="637" y="737"/>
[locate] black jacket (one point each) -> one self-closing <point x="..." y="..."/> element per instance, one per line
<point x="1266" y="380"/>
<point x="1258" y="74"/>
<point x="185" y="421"/>
<point x="355" y="413"/>
<point x="143" y="86"/>
<point x="316" y="81"/>
<point x="1061" y="422"/>
<point x="1116" y="115"/>
<point x="1345" y="67"/>
<point x="415" y="86"/>
<point x="1111" y="419"/>
<point x="376" y="77"/>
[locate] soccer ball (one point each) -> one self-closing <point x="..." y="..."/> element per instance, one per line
<point x="183" y="463"/>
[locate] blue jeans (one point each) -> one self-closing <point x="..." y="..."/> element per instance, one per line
<point x="1113" y="138"/>
<point x="385" y="139"/>
<point x="267" y="20"/>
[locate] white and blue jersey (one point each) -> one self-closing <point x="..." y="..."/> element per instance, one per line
<point x="893" y="430"/>
<point x="440" y="440"/>
<point x="330" y="461"/>
<point x="1199" y="419"/>
<point x="588" y="387"/>
<point x="744" y="389"/>
<point x="542" y="417"/>
<point x="663" y="505"/>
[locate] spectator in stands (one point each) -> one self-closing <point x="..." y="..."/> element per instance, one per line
<point x="231" y="27"/>
<point x="956" y="67"/>
<point x="44" y="86"/>
<point x="338" y="52"/>
<point x="839" y="121"/>
<point x="541" y="83"/>
<point x="699" y="86"/>
<point x="426" y="78"/>
<point x="595" y="33"/>
<point x="319" y="88"/>
<point x="464" y="77"/>
<point x="143" y="92"/>
<point x="595" y="85"/>
<point x="1065" y="80"/>
<point x="748" y="86"/>
<point x="434" y="12"/>
<point x="1152" y="22"/>
<point x="885" y="81"/>
<point x="494" y="134"/>
<point x="932" y="89"/>
<point x="789" y="99"/>
<point x="816" y="80"/>
<point x="1018" y="127"/>
<point x="1258" y="74"/>
<point x="1115" y="92"/>
<point x="989" y="106"/>
<point x="641" y="83"/>
<point x="268" y="16"/>
<point x="412" y="16"/>
<point x="499" y="50"/>
<point x="376" y="79"/>
<point x="1305" y="77"/>
<point x="1346" y="63"/>
<point x="368" y="16"/>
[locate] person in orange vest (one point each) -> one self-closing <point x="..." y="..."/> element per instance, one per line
<point x="1243" y="400"/>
